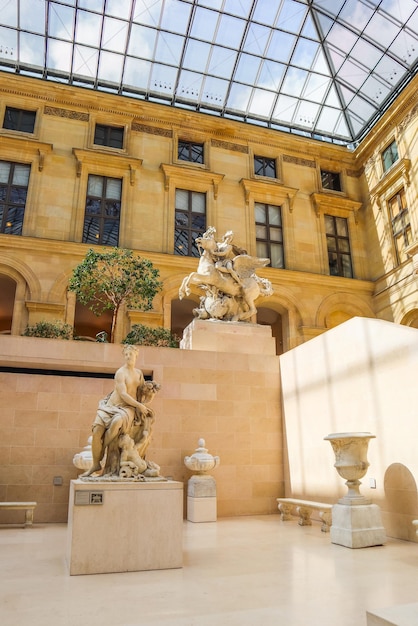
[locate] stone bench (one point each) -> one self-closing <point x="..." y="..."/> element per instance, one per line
<point x="304" y="509"/>
<point x="27" y="506"/>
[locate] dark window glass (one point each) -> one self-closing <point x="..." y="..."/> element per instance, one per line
<point x="330" y="180"/>
<point x="102" y="215"/>
<point x="269" y="233"/>
<point x="14" y="180"/>
<point x="19" y="119"/>
<point x="264" y="166"/>
<point x="401" y="226"/>
<point x="338" y="244"/>
<point x="188" y="151"/>
<point x="390" y="156"/>
<point x="190" y="221"/>
<point x="111" y="136"/>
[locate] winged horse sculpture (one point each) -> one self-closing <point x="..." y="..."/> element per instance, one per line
<point x="227" y="276"/>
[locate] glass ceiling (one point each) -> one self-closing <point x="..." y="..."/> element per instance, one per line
<point x="321" y="68"/>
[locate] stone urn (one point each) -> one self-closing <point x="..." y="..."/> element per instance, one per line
<point x="201" y="462"/>
<point x="84" y="459"/>
<point x="351" y="462"/>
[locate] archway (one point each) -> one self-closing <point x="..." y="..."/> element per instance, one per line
<point x="7" y="299"/>
<point x="87" y="325"/>
<point x="181" y="315"/>
<point x="270" y="317"/>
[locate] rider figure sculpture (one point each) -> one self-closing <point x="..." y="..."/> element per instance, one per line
<point x="224" y="256"/>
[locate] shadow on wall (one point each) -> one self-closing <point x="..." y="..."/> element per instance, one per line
<point x="401" y="499"/>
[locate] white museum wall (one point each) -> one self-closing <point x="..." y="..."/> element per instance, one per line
<point x="358" y="376"/>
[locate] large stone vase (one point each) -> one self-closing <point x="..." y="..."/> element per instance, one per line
<point x="356" y="522"/>
<point x="351" y="462"/>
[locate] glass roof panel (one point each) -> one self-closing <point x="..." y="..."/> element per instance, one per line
<point x="321" y="68"/>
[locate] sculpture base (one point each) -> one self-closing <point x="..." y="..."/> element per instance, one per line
<point x="235" y="337"/>
<point x="201" y="499"/>
<point x="124" y="527"/>
<point x="357" y="526"/>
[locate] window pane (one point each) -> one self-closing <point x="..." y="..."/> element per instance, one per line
<point x="95" y="186"/>
<point x="331" y="244"/>
<point x="346" y="265"/>
<point x="4" y="172"/>
<point x="93" y="206"/>
<point x="17" y="195"/>
<point x="276" y="234"/>
<point x="110" y="233"/>
<point x="91" y="230"/>
<point x="269" y="234"/>
<point x="342" y="230"/>
<point x="261" y="232"/>
<point x="329" y="225"/>
<point x="390" y="156"/>
<point x="330" y="180"/>
<point x="113" y="188"/>
<point x="199" y="202"/>
<point x="14" y="221"/>
<point x="112" y="208"/>
<point x="274" y="216"/>
<point x="198" y="223"/>
<point x="190" y="221"/>
<point x="182" y="199"/>
<point x="182" y="219"/>
<point x="21" y="174"/>
<point x="260" y="213"/>
<point x="276" y="256"/>
<point x="262" y="251"/>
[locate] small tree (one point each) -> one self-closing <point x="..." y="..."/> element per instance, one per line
<point x="106" y="280"/>
<point x="143" y="335"/>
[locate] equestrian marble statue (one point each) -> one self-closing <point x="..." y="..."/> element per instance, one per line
<point x="226" y="275"/>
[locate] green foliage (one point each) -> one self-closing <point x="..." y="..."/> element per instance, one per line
<point x="143" y="335"/>
<point x="105" y="280"/>
<point x="51" y="330"/>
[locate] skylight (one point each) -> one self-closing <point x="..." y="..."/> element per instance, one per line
<point x="322" y="68"/>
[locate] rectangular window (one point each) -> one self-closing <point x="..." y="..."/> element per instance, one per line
<point x="269" y="233"/>
<point x="330" y="180"/>
<point x="401" y="227"/>
<point x="190" y="221"/>
<point x="390" y="156"/>
<point x="189" y="151"/>
<point x="338" y="244"/>
<point x="264" y="167"/>
<point x="111" y="136"/>
<point x="19" y="119"/>
<point x="102" y="216"/>
<point x="14" y="181"/>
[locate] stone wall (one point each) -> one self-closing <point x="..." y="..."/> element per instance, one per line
<point x="49" y="395"/>
<point x="360" y="376"/>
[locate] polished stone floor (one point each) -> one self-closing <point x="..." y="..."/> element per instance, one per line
<point x="245" y="571"/>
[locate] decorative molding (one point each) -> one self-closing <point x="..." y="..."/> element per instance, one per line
<point x="94" y="157"/>
<point x="229" y="145"/>
<point x="323" y="203"/>
<point x="185" y="176"/>
<point x="72" y="115"/>
<point x="355" y="173"/>
<point x="287" y="158"/>
<point x="261" y="188"/>
<point x="408" y="118"/>
<point x="398" y="172"/>
<point x="151" y="130"/>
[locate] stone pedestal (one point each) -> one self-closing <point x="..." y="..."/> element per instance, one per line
<point x="357" y="526"/>
<point x="201" y="499"/>
<point x="124" y="527"/>
<point x="236" y="337"/>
